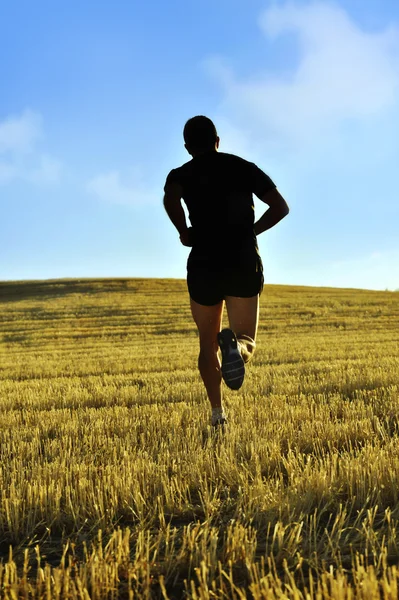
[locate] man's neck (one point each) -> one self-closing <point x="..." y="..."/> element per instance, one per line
<point x="201" y="152"/>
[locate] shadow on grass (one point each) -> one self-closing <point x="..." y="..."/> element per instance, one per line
<point x="14" y="291"/>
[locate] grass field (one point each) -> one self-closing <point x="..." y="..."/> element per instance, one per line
<point x="113" y="484"/>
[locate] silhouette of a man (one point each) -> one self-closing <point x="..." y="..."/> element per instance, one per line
<point x="224" y="265"/>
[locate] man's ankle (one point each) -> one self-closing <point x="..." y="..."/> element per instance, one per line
<point x="247" y="347"/>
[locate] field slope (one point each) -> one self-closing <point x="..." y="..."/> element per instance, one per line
<point x="113" y="485"/>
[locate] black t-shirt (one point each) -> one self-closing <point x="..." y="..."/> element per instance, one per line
<point x="217" y="190"/>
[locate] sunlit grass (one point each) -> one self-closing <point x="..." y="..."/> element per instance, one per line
<point x="113" y="484"/>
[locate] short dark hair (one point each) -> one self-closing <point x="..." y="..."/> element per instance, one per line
<point x="200" y="133"/>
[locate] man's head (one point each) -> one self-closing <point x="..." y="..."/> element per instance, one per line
<point x="200" y="135"/>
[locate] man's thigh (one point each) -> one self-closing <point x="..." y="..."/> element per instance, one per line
<point x="208" y="320"/>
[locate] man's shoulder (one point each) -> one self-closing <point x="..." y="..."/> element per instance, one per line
<point x="223" y="160"/>
<point x="184" y="167"/>
<point x="234" y="162"/>
<point x="175" y="175"/>
<point x="232" y="157"/>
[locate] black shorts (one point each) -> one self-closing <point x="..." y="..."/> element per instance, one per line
<point x="209" y="281"/>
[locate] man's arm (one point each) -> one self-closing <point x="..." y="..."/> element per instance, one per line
<point x="175" y="211"/>
<point x="277" y="211"/>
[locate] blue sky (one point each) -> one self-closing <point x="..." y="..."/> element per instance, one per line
<point x="94" y="96"/>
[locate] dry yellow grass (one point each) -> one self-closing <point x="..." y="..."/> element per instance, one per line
<point x="113" y="485"/>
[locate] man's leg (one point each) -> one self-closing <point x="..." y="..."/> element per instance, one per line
<point x="208" y="320"/>
<point x="243" y="316"/>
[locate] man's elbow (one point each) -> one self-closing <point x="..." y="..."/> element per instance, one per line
<point x="282" y="208"/>
<point x="167" y="202"/>
<point x="277" y="203"/>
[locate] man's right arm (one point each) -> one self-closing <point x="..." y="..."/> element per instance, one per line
<point x="278" y="209"/>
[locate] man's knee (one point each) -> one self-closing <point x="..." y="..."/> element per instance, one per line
<point x="208" y="348"/>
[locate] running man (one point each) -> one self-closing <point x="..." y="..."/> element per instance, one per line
<point x="224" y="265"/>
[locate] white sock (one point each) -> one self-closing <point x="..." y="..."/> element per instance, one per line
<point x="218" y="413"/>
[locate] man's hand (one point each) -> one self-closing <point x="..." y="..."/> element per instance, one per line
<point x="185" y="237"/>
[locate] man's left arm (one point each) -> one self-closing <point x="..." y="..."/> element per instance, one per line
<point x="173" y="206"/>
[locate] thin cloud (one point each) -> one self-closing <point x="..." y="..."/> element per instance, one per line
<point x="48" y="171"/>
<point x="19" y="134"/>
<point x="20" y="159"/>
<point x="381" y="267"/>
<point x="8" y="172"/>
<point x="109" y="188"/>
<point x="376" y="270"/>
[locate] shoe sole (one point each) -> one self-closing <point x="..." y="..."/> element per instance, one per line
<point x="233" y="367"/>
<point x="219" y="424"/>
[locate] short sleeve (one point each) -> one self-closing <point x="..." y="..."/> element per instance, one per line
<point x="171" y="178"/>
<point x="260" y="182"/>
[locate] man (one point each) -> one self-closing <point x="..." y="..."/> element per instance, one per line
<point x="224" y="265"/>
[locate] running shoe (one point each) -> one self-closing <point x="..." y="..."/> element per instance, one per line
<point x="219" y="423"/>
<point x="218" y="416"/>
<point x="233" y="368"/>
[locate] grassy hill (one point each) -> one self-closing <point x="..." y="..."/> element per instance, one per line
<point x="112" y="483"/>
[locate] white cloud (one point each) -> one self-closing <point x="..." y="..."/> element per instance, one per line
<point x="20" y="159"/>
<point x="110" y="188"/>
<point x="342" y="74"/>
<point x="324" y="127"/>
